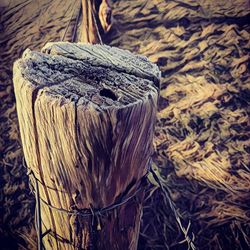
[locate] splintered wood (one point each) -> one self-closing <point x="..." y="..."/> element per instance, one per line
<point x="86" y="116"/>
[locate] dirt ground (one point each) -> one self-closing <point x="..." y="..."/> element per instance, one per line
<point x="202" y="131"/>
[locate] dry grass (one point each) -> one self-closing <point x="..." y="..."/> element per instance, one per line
<point x="202" y="134"/>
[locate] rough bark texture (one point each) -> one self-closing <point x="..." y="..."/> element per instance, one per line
<point x="86" y="116"/>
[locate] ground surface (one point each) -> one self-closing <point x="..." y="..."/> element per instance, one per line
<point x="202" y="134"/>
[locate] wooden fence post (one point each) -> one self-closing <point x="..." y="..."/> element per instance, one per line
<point x="96" y="20"/>
<point x="86" y="116"/>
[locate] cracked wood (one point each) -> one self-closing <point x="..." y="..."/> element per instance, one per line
<point x="86" y="115"/>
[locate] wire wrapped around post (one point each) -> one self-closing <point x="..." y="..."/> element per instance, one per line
<point x="95" y="214"/>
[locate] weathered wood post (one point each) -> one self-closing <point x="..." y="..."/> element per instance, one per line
<point x="86" y="116"/>
<point x="89" y="32"/>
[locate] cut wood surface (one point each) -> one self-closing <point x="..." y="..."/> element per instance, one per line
<point x="86" y="116"/>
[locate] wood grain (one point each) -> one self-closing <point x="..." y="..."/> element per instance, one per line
<point x="86" y="116"/>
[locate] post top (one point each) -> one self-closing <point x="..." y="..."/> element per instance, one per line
<point x="95" y="76"/>
<point x="106" y="56"/>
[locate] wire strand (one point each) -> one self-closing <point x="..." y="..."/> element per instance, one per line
<point x="166" y="193"/>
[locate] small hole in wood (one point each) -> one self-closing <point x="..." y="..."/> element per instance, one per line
<point x="108" y="94"/>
